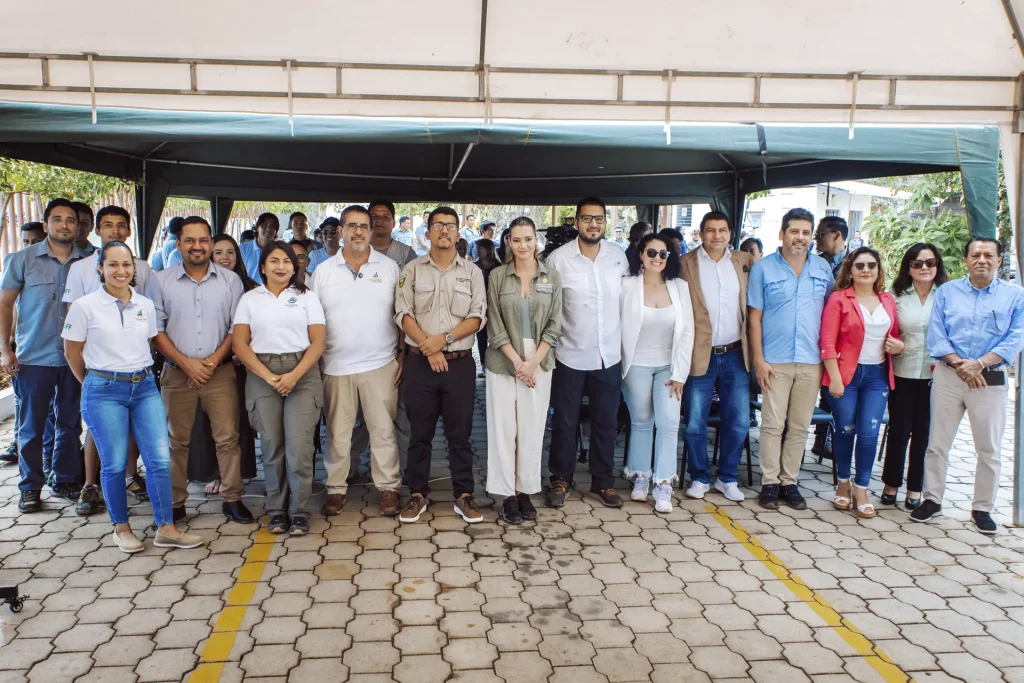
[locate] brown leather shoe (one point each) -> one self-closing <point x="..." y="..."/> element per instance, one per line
<point x="607" y="496"/>
<point x="334" y="504"/>
<point x="389" y="503"/>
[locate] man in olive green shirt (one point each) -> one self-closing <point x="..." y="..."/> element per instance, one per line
<point x="440" y="304"/>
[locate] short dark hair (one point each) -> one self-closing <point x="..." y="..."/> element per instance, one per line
<point x="195" y="219"/>
<point x="903" y="281"/>
<point x="752" y="240"/>
<point x="305" y="244"/>
<point x="638" y="230"/>
<point x="58" y="202"/>
<point x="82" y="207"/>
<point x="297" y="213"/>
<point x="591" y="201"/>
<point x="103" y="254"/>
<point x="797" y="215"/>
<point x="174" y="225"/>
<point x="673" y="267"/>
<point x="246" y="236"/>
<point x="443" y="211"/>
<point x="993" y="240"/>
<point x="267" y="216"/>
<point x="113" y="211"/>
<point x="290" y="253"/>
<point x="402" y="219"/>
<point x="32" y="225"/>
<point x="487" y="225"/>
<point x="715" y="216"/>
<point x="834" y="224"/>
<point x="382" y="202"/>
<point x="353" y="208"/>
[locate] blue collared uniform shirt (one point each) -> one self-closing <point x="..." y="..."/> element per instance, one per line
<point x="972" y="322"/>
<point x="41" y="279"/>
<point x="250" y="253"/>
<point x="791" y="305"/>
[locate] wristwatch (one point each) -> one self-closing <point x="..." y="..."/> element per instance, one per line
<point x="448" y="338"/>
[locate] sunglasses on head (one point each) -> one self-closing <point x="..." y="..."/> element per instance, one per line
<point x="926" y="263"/>
<point x="870" y="266"/>
<point x="652" y="253"/>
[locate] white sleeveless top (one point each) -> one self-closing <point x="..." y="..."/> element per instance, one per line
<point x="876" y="331"/>
<point x="654" y="347"/>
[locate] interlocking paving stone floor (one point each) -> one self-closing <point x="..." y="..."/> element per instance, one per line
<point x="713" y="591"/>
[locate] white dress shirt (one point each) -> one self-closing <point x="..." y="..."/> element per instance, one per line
<point x="591" y="328"/>
<point x="116" y="334"/>
<point x="721" y="289"/>
<point x="279" y="324"/>
<point x="915" y="362"/>
<point x="359" y="308"/>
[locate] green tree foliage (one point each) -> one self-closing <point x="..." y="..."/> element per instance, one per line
<point x="893" y="232"/>
<point x="56" y="181"/>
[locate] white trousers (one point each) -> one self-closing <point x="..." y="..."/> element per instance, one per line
<point x="986" y="410"/>
<point x="516" y="416"/>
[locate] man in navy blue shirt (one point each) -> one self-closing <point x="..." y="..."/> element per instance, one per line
<point x="976" y="330"/>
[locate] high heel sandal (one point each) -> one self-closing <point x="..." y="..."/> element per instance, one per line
<point x="842" y="502"/>
<point x="864" y="510"/>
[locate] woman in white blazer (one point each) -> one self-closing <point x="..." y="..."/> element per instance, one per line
<point x="657" y="342"/>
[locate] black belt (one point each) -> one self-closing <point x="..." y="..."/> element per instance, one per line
<point x="448" y="356"/>
<point x="133" y="377"/>
<point x="718" y="350"/>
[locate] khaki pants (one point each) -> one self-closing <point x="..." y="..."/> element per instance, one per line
<point x="285" y="425"/>
<point x="219" y="398"/>
<point x="516" y="417"/>
<point x="789" y="405"/>
<point x="986" y="410"/>
<point x="376" y="392"/>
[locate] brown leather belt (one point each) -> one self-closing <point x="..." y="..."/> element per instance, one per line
<point x="718" y="350"/>
<point x="133" y="377"/>
<point x="448" y="356"/>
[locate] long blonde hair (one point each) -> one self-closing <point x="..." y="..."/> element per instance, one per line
<point x="518" y="222"/>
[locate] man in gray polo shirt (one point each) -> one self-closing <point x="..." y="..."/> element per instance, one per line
<point x="35" y="277"/>
<point x="195" y="303"/>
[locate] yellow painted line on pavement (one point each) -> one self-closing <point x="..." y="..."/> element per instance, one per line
<point x="218" y="648"/>
<point x="872" y="654"/>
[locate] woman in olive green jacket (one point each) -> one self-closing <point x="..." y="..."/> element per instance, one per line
<point x="524" y="323"/>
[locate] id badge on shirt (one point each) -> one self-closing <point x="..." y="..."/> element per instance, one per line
<point x="546" y="289"/>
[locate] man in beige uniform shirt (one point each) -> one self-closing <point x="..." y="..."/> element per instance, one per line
<point x="440" y="305"/>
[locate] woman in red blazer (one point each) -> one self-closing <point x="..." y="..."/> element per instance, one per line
<point x="859" y="334"/>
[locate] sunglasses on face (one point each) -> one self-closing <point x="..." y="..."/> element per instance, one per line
<point x="654" y="253"/>
<point x="927" y="263"/>
<point x="870" y="266"/>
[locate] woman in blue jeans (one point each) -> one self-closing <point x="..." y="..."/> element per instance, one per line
<point x="859" y="334"/>
<point x="657" y="343"/>
<point x="106" y="342"/>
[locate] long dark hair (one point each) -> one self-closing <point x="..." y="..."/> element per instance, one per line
<point x="673" y="267"/>
<point x="845" y="277"/>
<point x="638" y="230"/>
<point x="502" y="248"/>
<point x="295" y="282"/>
<point x="248" y="284"/>
<point x="486" y="257"/>
<point x="904" y="283"/>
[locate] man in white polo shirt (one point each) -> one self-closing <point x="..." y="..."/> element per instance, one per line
<point x="361" y="365"/>
<point x="113" y="224"/>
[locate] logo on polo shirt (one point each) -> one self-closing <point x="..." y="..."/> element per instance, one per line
<point x="376" y="278"/>
<point x="67" y="326"/>
<point x="292" y="302"/>
<point x="140" y="316"/>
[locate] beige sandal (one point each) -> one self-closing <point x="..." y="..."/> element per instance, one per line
<point x="842" y="502"/>
<point x="864" y="510"/>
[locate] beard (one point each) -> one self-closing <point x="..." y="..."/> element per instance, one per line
<point x="591" y="240"/>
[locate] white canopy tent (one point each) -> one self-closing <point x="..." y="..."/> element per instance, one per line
<point x="808" y="62"/>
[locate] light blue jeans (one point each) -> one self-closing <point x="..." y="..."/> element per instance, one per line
<point x="650" y="405"/>
<point x="113" y="409"/>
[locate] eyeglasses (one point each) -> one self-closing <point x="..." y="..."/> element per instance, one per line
<point x="822" y="234"/>
<point x="870" y="266"/>
<point x="445" y="227"/>
<point x="927" y="263"/>
<point x="587" y="220"/>
<point x="357" y="226"/>
<point x="652" y="253"/>
<point x="330" y="232"/>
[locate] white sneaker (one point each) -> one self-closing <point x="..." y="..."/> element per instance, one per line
<point x="697" y="489"/>
<point x="640" y="486"/>
<point x="729" y="490"/>
<point x="663" y="498"/>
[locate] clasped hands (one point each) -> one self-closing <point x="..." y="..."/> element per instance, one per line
<point x="969" y="371"/>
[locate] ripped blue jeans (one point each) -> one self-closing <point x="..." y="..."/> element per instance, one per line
<point x="858" y="413"/>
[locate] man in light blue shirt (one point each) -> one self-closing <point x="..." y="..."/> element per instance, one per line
<point x="786" y="294"/>
<point x="422" y="245"/>
<point x="403" y="233"/>
<point x="331" y="228"/>
<point x="36" y="277"/>
<point x="976" y="328"/>
<point x="267" y="227"/>
<point x="486" y="233"/>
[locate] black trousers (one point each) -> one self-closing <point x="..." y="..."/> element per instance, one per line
<point x="824" y="404"/>
<point x="567" y="389"/>
<point x="910" y="417"/>
<point x="429" y="395"/>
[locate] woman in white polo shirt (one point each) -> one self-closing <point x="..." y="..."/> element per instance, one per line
<point x="106" y="342"/>
<point x="280" y="334"/>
